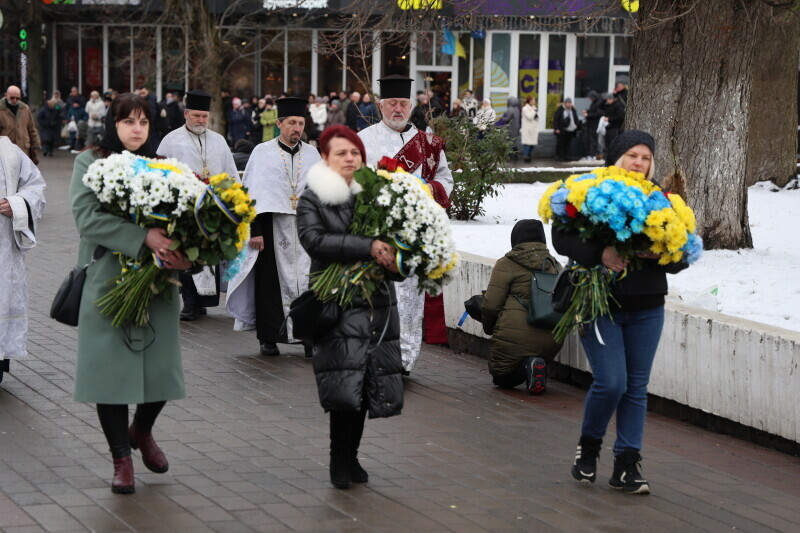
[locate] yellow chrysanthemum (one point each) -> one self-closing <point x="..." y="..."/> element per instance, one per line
<point x="684" y="212"/>
<point x="545" y="211"/>
<point x="384" y="174"/>
<point x="217" y="178"/>
<point x="226" y="195"/>
<point x="241" y="209"/>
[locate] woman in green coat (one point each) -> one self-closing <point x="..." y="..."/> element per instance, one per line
<point x="268" y="119"/>
<point x="519" y="350"/>
<point x="120" y="366"/>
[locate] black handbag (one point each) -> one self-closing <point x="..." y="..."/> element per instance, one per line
<point x="312" y="318"/>
<point x="473" y="307"/>
<point x="66" y="305"/>
<point x="563" y="290"/>
<point x="540" y="310"/>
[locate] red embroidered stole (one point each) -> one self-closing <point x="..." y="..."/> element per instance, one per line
<point x="424" y="150"/>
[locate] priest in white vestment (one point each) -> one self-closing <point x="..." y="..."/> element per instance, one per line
<point x="207" y="153"/>
<point x="276" y="267"/>
<point x="422" y="154"/>
<point x="21" y="205"/>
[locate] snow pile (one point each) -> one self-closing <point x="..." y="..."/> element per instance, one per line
<point x="761" y="284"/>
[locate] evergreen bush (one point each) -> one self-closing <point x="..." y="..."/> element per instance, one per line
<point x="476" y="159"/>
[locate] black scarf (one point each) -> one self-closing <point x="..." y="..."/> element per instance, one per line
<point x="113" y="144"/>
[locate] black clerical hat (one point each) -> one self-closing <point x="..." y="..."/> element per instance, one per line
<point x="291" y="107"/>
<point x="395" y="86"/>
<point x="198" y="100"/>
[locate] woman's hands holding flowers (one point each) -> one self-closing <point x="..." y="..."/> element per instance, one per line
<point x="158" y="241"/>
<point x="384" y="255"/>
<point x="612" y="260"/>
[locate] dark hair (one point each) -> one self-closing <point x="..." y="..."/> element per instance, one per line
<point x="343" y="132"/>
<point x="121" y="108"/>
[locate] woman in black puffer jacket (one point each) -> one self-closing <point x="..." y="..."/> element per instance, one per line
<point x="357" y="371"/>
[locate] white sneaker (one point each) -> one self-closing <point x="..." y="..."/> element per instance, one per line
<point x="74" y="152"/>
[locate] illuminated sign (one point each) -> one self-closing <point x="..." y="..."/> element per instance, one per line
<point x="419" y="4"/>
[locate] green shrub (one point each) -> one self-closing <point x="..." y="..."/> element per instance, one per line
<point x="476" y="159"/>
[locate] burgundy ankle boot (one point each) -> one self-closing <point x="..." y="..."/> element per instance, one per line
<point x="123" y="482"/>
<point x="152" y="456"/>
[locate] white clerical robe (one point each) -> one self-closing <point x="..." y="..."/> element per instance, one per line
<point x="22" y="185"/>
<point x="380" y="140"/>
<point x="273" y="177"/>
<point x="209" y="151"/>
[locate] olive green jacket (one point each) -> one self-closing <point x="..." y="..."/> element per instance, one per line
<point x="120" y="365"/>
<point x="506" y="320"/>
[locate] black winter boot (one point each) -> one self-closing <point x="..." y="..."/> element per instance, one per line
<point x="626" y="473"/>
<point x="340" y="471"/>
<point x="584" y="469"/>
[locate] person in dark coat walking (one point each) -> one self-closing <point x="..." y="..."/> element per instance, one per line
<point x="351" y="112"/>
<point x="357" y="363"/>
<point x="49" y="119"/>
<point x="614" y="116"/>
<point x="511" y="119"/>
<point x="238" y="121"/>
<point x="592" y="118"/>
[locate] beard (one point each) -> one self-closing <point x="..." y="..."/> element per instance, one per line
<point x="398" y="124"/>
<point x="197" y="130"/>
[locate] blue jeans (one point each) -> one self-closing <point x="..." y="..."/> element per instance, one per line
<point x="527" y="149"/>
<point x="621" y="371"/>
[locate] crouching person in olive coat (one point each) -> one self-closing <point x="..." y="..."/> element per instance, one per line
<point x="126" y="365"/>
<point x="357" y="371"/>
<point x="519" y="351"/>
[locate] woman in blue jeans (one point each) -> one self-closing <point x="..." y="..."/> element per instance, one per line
<point x="621" y="364"/>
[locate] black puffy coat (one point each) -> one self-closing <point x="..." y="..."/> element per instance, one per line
<point x="349" y="365"/>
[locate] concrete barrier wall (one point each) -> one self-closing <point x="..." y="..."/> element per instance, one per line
<point x="740" y="370"/>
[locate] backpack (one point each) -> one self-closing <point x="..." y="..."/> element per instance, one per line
<point x="540" y="308"/>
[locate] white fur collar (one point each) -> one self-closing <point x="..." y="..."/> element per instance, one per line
<point x="329" y="186"/>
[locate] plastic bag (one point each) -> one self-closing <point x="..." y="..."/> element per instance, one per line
<point x="705" y="299"/>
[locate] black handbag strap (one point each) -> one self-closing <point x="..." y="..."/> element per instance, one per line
<point x="99" y="252"/>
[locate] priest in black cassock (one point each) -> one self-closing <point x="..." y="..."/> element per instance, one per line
<point x="276" y="267"/>
<point x="207" y="154"/>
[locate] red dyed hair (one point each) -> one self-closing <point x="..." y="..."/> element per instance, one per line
<point x="345" y="133"/>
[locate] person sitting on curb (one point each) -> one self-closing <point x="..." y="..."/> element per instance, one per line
<point x="519" y="351"/>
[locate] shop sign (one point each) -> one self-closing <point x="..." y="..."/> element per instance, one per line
<point x="419" y="4"/>
<point x="295" y="4"/>
<point x="527" y="8"/>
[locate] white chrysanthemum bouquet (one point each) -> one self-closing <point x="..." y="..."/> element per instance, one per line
<point x="398" y="208"/>
<point x="207" y="222"/>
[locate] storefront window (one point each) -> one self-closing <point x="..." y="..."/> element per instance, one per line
<point x="144" y="57"/>
<point x="591" y="65"/>
<point x="173" y="60"/>
<point x="463" y="65"/>
<point x="67" y="53"/>
<point x="240" y="73"/>
<point x="119" y="58"/>
<point x="329" y="68"/>
<point x="396" y="53"/>
<point x="92" y="50"/>
<point x="425" y="43"/>
<point x="299" y="58"/>
<point x="478" y="67"/>
<point x="555" y="75"/>
<point x="529" y="66"/>
<point x="272" y="43"/>
<point x="501" y="60"/>
<point x="622" y="50"/>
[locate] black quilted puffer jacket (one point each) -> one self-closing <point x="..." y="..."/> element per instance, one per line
<point x="349" y="365"/>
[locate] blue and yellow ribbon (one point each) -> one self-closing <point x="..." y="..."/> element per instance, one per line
<point x="222" y="207"/>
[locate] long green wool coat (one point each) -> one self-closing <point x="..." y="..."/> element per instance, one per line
<point x="145" y="366"/>
<point x="506" y="320"/>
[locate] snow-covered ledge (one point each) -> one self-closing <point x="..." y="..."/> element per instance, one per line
<point x="737" y="369"/>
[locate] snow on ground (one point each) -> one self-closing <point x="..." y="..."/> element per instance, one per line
<point x="759" y="284"/>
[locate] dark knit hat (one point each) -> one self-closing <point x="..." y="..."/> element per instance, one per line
<point x="627" y="140"/>
<point x="528" y="230"/>
<point x="198" y="100"/>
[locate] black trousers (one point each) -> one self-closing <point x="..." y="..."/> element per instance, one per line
<point x="269" y="304"/>
<point x="114" y="420"/>
<point x="563" y="140"/>
<point x="346" y="430"/>
<point x="511" y="380"/>
<point x="590" y="139"/>
<point x="189" y="291"/>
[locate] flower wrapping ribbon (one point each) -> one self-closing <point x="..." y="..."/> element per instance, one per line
<point x="222" y="207"/>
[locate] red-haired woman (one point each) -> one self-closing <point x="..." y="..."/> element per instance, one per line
<point x="357" y="371"/>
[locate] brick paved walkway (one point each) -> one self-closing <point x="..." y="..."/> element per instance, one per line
<point x="248" y="447"/>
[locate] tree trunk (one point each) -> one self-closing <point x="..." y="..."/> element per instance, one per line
<point x="773" y="101"/>
<point x="691" y="85"/>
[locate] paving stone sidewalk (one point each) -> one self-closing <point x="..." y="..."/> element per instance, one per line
<point x="248" y="447"/>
